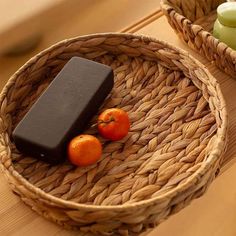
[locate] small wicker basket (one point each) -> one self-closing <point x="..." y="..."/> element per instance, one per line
<point x="193" y="22"/>
<point x="171" y="155"/>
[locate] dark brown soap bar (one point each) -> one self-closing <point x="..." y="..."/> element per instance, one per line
<point x="63" y="110"/>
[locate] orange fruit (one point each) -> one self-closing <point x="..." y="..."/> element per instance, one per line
<point x="84" y="150"/>
<point x="113" y="124"/>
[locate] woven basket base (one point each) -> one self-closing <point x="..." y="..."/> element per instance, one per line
<point x="207" y="22"/>
<point x="171" y="125"/>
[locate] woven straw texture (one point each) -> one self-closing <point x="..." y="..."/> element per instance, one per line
<point x="170" y="156"/>
<point x="193" y="22"/>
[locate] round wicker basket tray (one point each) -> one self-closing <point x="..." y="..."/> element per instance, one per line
<point x="193" y="22"/>
<point x="171" y="155"/>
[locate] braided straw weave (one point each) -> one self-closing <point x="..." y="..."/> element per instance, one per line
<point x="171" y="155"/>
<point x="193" y="22"/>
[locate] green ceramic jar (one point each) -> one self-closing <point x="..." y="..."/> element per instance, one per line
<point x="225" y="25"/>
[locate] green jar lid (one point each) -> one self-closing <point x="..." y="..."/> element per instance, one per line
<point x="226" y="13"/>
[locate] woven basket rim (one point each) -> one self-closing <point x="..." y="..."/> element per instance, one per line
<point x="229" y="51"/>
<point x="213" y="156"/>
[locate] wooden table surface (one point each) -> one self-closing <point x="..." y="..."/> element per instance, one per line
<point x="213" y="214"/>
<point x="22" y="22"/>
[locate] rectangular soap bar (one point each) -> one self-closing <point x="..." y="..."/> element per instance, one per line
<point x="63" y="110"/>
